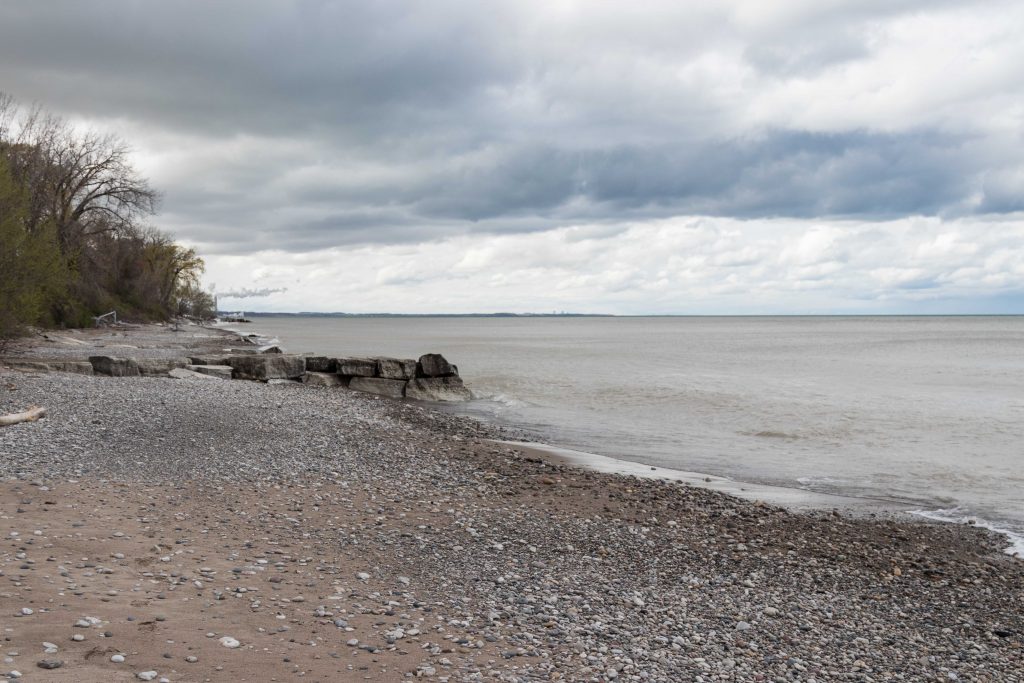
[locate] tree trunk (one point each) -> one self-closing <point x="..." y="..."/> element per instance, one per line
<point x="30" y="415"/>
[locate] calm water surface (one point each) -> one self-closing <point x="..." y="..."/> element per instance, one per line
<point x="924" y="410"/>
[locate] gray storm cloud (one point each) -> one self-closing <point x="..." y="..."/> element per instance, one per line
<point x="302" y="126"/>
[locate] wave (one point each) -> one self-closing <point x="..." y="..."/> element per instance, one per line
<point x="772" y="434"/>
<point x="503" y="400"/>
<point x="811" y="482"/>
<point x="958" y="515"/>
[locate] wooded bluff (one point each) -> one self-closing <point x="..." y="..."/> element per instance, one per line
<point x="74" y="237"/>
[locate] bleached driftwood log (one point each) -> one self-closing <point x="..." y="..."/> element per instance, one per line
<point x="30" y="415"/>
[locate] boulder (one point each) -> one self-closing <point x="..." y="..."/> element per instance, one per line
<point x="159" y="366"/>
<point x="271" y="349"/>
<point x="323" y="379"/>
<point x="182" y="373"/>
<point x="31" y="365"/>
<point x="267" y="367"/>
<point x="321" y="364"/>
<point x="221" y="359"/>
<point x="435" y="365"/>
<point x="114" y="367"/>
<point x="392" y="388"/>
<point x="357" y="367"/>
<point x="218" y="371"/>
<point x="78" y="367"/>
<point x="394" y="368"/>
<point x="437" y="389"/>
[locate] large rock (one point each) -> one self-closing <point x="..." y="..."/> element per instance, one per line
<point x="395" y="368"/>
<point x="114" y="367"/>
<point x="437" y="389"/>
<point x="357" y="367"/>
<point x="267" y="367"/>
<point x="435" y="365"/>
<point x="392" y="388"/>
<point x="159" y="366"/>
<point x="182" y="373"/>
<point x="220" y="359"/>
<point x="321" y="364"/>
<point x="78" y="367"/>
<point x="218" y="371"/>
<point x="322" y="379"/>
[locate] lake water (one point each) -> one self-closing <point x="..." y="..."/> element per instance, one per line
<point x="926" y="411"/>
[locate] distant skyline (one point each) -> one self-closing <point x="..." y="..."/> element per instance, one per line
<point x="726" y="157"/>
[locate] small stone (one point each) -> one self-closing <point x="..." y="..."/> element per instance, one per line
<point x="78" y="637"/>
<point x="363" y="576"/>
<point x="191" y="659"/>
<point x="742" y="626"/>
<point x="146" y="675"/>
<point x="229" y="642"/>
<point x="26" y="611"/>
<point x="117" y="659"/>
<point x="50" y="664"/>
<point x="771" y="612"/>
<point x="352" y="642"/>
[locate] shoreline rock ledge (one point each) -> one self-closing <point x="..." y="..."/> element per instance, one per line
<point x="430" y="378"/>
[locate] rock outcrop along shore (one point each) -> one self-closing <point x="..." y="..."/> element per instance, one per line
<point x="203" y="356"/>
<point x="252" y="531"/>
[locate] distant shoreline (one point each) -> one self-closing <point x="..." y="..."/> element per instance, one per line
<point x="309" y="314"/>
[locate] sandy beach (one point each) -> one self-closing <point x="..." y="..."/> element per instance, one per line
<point x="160" y="529"/>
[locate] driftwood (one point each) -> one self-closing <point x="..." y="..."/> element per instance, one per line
<point x="30" y="415"/>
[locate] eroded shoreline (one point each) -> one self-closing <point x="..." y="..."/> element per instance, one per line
<point x="297" y="520"/>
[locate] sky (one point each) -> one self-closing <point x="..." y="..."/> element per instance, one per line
<point x="656" y="157"/>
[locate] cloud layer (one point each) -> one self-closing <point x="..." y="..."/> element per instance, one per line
<point x="291" y="130"/>
<point x="694" y="265"/>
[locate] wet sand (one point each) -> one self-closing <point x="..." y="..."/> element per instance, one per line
<point x="789" y="497"/>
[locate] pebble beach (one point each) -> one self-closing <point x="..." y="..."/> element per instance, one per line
<point x="168" y="530"/>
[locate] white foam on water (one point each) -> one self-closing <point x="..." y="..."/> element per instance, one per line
<point x="502" y="400"/>
<point x="959" y="516"/>
<point x="813" y="481"/>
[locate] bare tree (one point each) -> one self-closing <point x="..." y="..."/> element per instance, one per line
<point x="83" y="182"/>
<point x="74" y="202"/>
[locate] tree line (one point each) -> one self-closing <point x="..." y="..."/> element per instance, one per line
<point x="74" y="241"/>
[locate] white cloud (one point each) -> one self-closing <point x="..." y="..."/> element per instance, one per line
<point x="681" y="265"/>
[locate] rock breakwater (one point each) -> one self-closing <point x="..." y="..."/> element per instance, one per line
<point x="431" y="377"/>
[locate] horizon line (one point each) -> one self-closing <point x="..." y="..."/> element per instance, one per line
<point x="503" y="314"/>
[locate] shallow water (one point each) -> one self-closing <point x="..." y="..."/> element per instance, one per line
<point x="928" y="411"/>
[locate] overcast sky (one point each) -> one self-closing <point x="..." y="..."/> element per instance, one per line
<point x="743" y="156"/>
